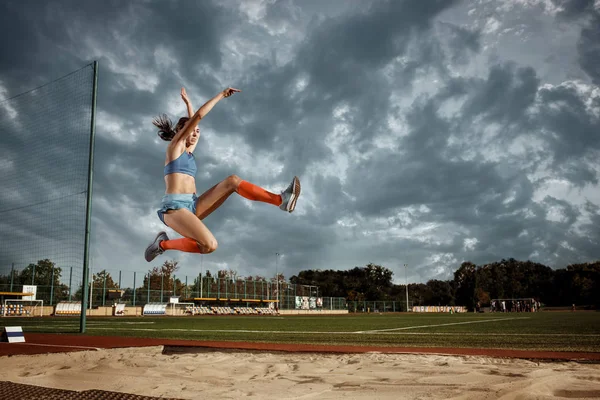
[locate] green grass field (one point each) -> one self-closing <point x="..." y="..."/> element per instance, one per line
<point x="556" y="331"/>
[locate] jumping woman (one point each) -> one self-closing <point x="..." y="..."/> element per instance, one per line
<point x="181" y="209"/>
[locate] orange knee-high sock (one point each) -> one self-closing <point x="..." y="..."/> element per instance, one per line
<point x="184" y="244"/>
<point x="256" y="193"/>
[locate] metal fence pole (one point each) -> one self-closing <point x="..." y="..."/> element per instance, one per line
<point x="71" y="283"/>
<point x="52" y="286"/>
<point x="104" y="290"/>
<point x="12" y="276"/>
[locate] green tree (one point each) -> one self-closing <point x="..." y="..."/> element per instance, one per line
<point x="42" y="273"/>
<point x="464" y="281"/>
<point x="584" y="280"/>
<point x="440" y="293"/>
<point x="101" y="283"/>
<point x="97" y="288"/>
<point x="160" y="280"/>
<point x="46" y="276"/>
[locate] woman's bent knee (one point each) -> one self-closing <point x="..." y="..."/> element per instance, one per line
<point x="233" y="181"/>
<point x="209" y="246"/>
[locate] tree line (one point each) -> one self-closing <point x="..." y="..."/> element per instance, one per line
<point x="157" y="285"/>
<point x="506" y="279"/>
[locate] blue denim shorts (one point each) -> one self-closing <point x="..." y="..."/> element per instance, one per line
<point x="177" y="201"/>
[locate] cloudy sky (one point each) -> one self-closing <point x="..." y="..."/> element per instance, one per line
<point x="426" y="133"/>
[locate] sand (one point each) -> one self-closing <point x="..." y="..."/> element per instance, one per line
<point x="235" y="375"/>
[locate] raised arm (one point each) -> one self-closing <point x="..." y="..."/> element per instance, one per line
<point x="187" y="102"/>
<point x="187" y="129"/>
<point x="190" y="112"/>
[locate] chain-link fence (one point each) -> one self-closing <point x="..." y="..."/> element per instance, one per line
<point x="106" y="287"/>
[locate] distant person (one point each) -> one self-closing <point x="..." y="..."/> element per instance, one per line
<point x="181" y="209"/>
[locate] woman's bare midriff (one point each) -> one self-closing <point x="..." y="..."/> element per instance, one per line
<point x="180" y="183"/>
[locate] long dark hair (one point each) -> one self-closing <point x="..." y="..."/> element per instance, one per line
<point x="166" y="131"/>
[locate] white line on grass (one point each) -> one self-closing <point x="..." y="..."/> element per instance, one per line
<point x="336" y="333"/>
<point x="346" y="333"/>
<point x="436" y="325"/>
<point x="481" y="334"/>
<point x="120" y="322"/>
<point x="217" y="330"/>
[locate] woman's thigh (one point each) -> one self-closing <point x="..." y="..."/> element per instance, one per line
<point x="187" y="224"/>
<point x="214" y="197"/>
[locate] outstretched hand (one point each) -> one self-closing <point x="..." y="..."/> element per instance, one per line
<point x="184" y="95"/>
<point x="229" y="91"/>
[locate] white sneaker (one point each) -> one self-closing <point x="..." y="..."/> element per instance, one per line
<point x="154" y="250"/>
<point x="289" y="196"/>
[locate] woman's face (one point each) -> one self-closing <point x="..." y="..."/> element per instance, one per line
<point x="193" y="138"/>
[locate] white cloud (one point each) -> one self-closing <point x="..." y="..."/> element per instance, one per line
<point x="6" y="105"/>
<point x="232" y="150"/>
<point x="492" y="26"/>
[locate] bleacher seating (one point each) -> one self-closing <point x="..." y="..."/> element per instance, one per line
<point x="13" y="310"/>
<point x="221" y="310"/>
<point x="155" y="309"/>
<point x="197" y="310"/>
<point x="66" y="308"/>
<point x="245" y="311"/>
<point x="266" y="311"/>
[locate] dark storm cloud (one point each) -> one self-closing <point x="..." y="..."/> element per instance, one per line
<point x="526" y="229"/>
<point x="305" y="242"/>
<point x="505" y="95"/>
<point x="512" y="97"/>
<point x="31" y="48"/>
<point x="462" y="41"/>
<point x="337" y="204"/>
<point x="572" y="131"/>
<point x="590" y="241"/>
<point x="488" y="200"/>
<point x="302" y="62"/>
<point x="343" y="57"/>
<point x="190" y="29"/>
<point x="56" y="32"/>
<point x="574" y="8"/>
<point x="589" y="48"/>
<point x="341" y="67"/>
<point x="341" y="61"/>
<point x="282" y="12"/>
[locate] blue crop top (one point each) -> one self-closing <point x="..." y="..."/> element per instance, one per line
<point x="184" y="164"/>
